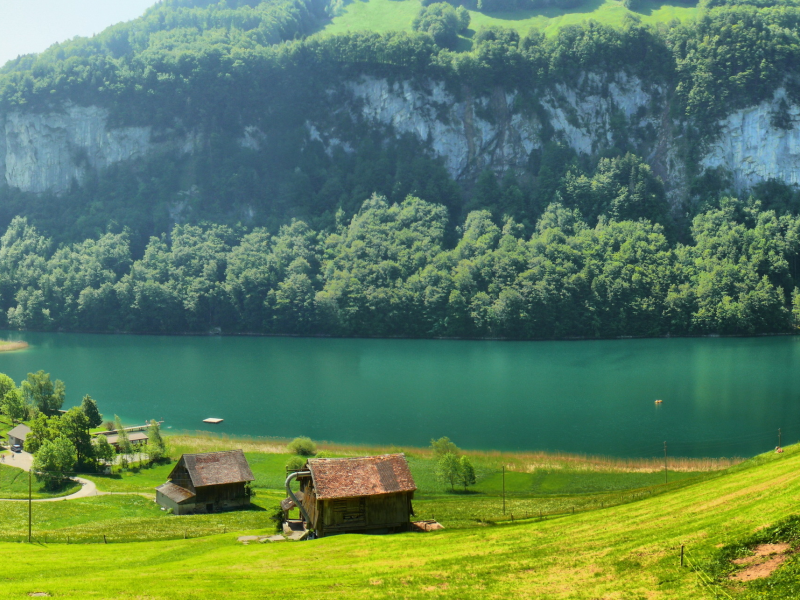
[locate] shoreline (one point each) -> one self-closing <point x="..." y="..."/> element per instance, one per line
<point x="525" y="461"/>
<point x="220" y="333"/>
<point x="12" y="346"/>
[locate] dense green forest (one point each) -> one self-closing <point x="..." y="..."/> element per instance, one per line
<point x="388" y="271"/>
<point x="292" y="238"/>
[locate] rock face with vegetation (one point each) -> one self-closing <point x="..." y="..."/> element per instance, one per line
<point x="221" y="166"/>
<point x="759" y="143"/>
<point x="49" y="152"/>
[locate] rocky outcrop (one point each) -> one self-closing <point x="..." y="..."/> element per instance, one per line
<point x="47" y="152"/>
<point x="759" y="143"/>
<point x="497" y="131"/>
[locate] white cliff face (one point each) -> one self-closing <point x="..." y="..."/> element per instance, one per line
<point x="457" y="132"/>
<point x="582" y="117"/>
<point x="474" y="133"/>
<point x="753" y="149"/>
<point x="46" y="152"/>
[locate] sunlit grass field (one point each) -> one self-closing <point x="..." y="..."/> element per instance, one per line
<point x="535" y="484"/>
<point x="629" y="551"/>
<point x="14" y="484"/>
<point x="396" y="15"/>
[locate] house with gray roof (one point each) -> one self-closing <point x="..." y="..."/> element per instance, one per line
<point x="18" y="435"/>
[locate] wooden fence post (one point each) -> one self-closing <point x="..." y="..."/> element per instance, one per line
<point x="681" y="554"/>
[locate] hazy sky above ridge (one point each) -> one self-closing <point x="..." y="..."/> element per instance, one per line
<point x="32" y="25"/>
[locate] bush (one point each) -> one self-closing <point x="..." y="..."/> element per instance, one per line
<point x="441" y="21"/>
<point x="443" y="446"/>
<point x="302" y="446"/>
<point x="276" y="516"/>
<point x="295" y="463"/>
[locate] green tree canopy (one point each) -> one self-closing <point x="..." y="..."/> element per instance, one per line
<point x="13" y="404"/>
<point x="43" y="429"/>
<point x="6" y="385"/>
<point x="466" y="474"/>
<point x="55" y="459"/>
<point x="442" y="22"/>
<point x="443" y="446"/>
<point x="89" y="408"/>
<point x="74" y="425"/>
<point x="123" y="441"/>
<point x="103" y="451"/>
<point x="448" y="469"/>
<point x="40" y="392"/>
<point x="156" y="447"/>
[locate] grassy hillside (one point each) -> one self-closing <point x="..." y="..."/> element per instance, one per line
<point x="395" y="15"/>
<point x="629" y="551"/>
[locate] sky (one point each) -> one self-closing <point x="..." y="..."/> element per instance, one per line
<point x="32" y="25"/>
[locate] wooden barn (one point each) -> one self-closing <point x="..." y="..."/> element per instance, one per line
<point x="205" y="483"/>
<point x="349" y="495"/>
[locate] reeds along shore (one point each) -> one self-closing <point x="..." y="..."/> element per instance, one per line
<point x="11" y="346"/>
<point x="203" y="441"/>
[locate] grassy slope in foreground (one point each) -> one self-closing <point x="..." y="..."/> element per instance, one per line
<point x="396" y="15"/>
<point x="630" y="549"/>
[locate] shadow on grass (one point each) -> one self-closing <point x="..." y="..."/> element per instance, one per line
<point x="589" y="6"/>
<point x="648" y="7"/>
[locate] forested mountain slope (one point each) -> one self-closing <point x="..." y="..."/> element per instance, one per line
<point x="578" y="184"/>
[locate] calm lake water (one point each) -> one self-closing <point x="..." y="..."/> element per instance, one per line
<point x="721" y="397"/>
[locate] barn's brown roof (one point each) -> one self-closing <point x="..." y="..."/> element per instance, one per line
<point x="366" y="476"/>
<point x="175" y="492"/>
<point x="216" y="468"/>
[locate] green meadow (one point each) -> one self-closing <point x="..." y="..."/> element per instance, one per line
<point x="396" y="15"/>
<point x="533" y="485"/>
<point x="624" y="551"/>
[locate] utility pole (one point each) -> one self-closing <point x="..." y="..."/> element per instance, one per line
<point x="665" y="462"/>
<point x="504" y="489"/>
<point x="30" y="507"/>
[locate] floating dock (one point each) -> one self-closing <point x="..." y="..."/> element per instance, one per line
<point x="213" y="421"/>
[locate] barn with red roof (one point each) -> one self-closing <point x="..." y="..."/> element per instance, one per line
<point x="350" y="495"/>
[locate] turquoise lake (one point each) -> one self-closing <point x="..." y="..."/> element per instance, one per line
<point x="721" y="396"/>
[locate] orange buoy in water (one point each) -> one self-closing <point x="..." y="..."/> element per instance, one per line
<point x="659" y="401"/>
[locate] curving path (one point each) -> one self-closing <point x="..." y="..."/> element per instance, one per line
<point x="88" y="488"/>
<point x="24" y="461"/>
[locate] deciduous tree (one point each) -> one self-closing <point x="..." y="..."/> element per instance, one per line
<point x="466" y="473"/>
<point x="54" y="460"/>
<point x="13" y="404"/>
<point x="41" y="393"/>
<point x="74" y="425"/>
<point x="448" y="468"/>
